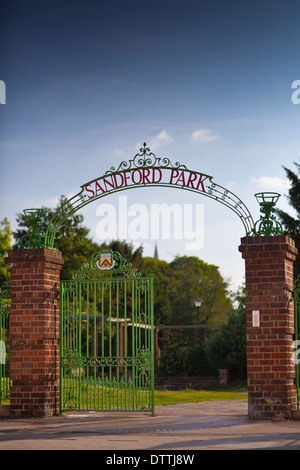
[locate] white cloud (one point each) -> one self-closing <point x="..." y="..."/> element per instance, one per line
<point x="271" y="183"/>
<point x="52" y="202"/>
<point x="156" y="141"/>
<point x="162" y="138"/>
<point x="203" y="135"/>
<point x="118" y="152"/>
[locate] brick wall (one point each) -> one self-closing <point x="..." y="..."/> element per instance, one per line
<point x="34" y="367"/>
<point x="181" y="383"/>
<point x="269" y="285"/>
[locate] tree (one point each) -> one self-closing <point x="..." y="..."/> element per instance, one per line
<point x="71" y="239"/>
<point x="185" y="355"/>
<point x="161" y="278"/>
<point x="193" y="278"/>
<point x="5" y="245"/>
<point x="227" y="349"/>
<point x="185" y="279"/>
<point x="291" y="225"/>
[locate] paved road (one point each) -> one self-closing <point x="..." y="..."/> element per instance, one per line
<point x="222" y="425"/>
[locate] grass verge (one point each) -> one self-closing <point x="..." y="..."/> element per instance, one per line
<point x="165" y="397"/>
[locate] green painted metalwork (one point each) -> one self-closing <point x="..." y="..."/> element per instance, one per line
<point x="5" y="305"/>
<point x="108" y="261"/>
<point x="267" y="225"/>
<point x="35" y="237"/>
<point x="297" y="335"/>
<point x="145" y="169"/>
<point x="106" y="337"/>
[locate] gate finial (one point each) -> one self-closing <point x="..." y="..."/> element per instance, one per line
<point x="267" y="224"/>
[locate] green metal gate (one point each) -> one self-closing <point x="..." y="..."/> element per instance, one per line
<point x="5" y="304"/>
<point x="106" y="337"/>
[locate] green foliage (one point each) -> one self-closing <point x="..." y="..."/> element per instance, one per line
<point x="227" y="348"/>
<point x="5" y="245"/>
<point x="193" y="278"/>
<point x="72" y="238"/>
<point x="178" y="283"/>
<point x="185" y="355"/>
<point x="290" y="224"/>
<point x="162" y="282"/>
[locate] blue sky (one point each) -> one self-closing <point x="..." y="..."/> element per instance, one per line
<point x="206" y="83"/>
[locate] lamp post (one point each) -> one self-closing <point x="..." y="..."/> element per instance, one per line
<point x="198" y="303"/>
<point x="198" y="336"/>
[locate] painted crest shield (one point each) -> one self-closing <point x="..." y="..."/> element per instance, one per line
<point x="105" y="261"/>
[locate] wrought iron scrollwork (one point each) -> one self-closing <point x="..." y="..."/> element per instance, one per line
<point x="113" y="263"/>
<point x="5" y="290"/>
<point x="72" y="360"/>
<point x="35" y="235"/>
<point x="145" y="159"/>
<point x="229" y="199"/>
<point x="297" y="283"/>
<point x="267" y="225"/>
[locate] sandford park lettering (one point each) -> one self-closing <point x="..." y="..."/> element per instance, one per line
<point x="146" y="176"/>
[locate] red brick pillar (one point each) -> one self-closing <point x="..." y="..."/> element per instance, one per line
<point x="34" y="367"/>
<point x="270" y="325"/>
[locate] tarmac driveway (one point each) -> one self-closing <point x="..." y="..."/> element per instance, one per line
<point x="190" y="427"/>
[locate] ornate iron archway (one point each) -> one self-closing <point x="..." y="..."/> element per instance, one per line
<point x="145" y="169"/>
